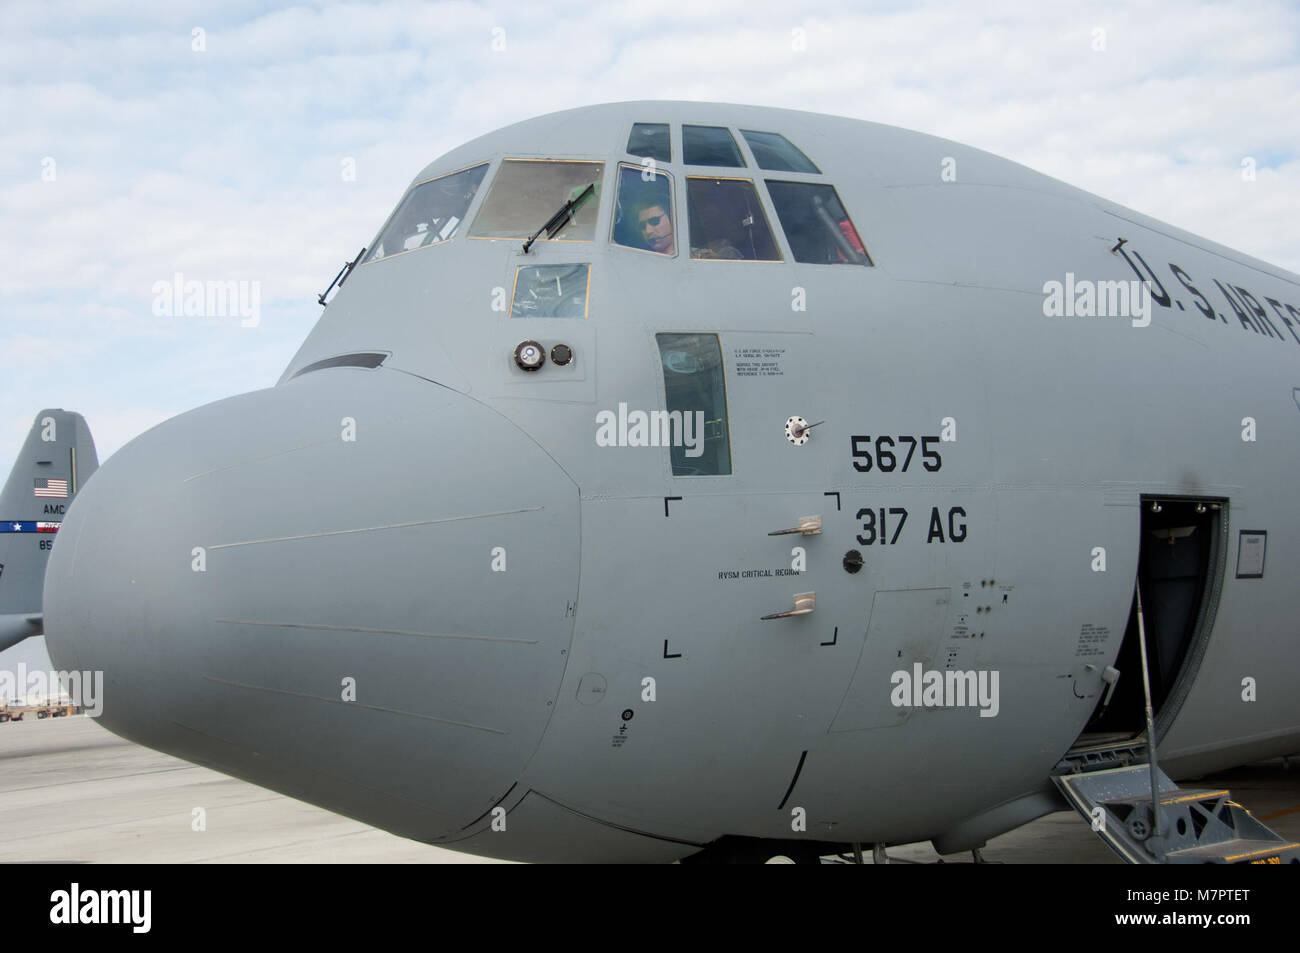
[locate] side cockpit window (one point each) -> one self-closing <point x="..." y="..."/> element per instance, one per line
<point x="816" y="224"/>
<point x="527" y="193"/>
<point x="643" y="214"/>
<point x="649" y="140"/>
<point x="727" y="221"/>
<point x="430" y="213"/>
<point x="696" y="394"/>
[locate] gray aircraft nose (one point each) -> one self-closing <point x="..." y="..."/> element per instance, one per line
<point x="356" y="588"/>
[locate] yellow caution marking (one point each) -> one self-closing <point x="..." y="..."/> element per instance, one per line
<point x="1256" y="853"/>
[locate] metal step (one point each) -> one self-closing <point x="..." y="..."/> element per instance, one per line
<point x="1104" y="755"/>
<point x="1178" y="796"/>
<point x="1238" y="851"/>
<point x="1195" y="826"/>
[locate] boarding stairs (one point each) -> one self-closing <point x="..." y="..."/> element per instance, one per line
<point x="1195" y="826"/>
<point x="1146" y="818"/>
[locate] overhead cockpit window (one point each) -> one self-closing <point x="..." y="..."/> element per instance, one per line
<point x="775" y="152"/>
<point x="430" y="214"/>
<point x="643" y="215"/>
<point x="696" y="394"/>
<point x="727" y="221"/>
<point x="550" y="291"/>
<point x="816" y="225"/>
<point x="527" y="193"/>
<point x="650" y="140"/>
<point x="710" y="145"/>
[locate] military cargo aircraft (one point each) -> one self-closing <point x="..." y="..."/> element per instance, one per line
<point x="56" y="459"/>
<point x="674" y="480"/>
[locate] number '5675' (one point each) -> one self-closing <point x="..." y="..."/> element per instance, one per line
<point x="891" y="451"/>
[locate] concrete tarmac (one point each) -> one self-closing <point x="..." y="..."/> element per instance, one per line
<point x="72" y="792"/>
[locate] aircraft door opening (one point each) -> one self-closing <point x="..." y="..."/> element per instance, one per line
<point x="1180" y="573"/>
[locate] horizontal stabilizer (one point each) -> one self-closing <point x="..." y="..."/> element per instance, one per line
<point x="15" y="628"/>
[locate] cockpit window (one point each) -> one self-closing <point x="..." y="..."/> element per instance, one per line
<point x="696" y="394"/>
<point x="550" y="291"/>
<point x="430" y="213"/>
<point x="643" y="215"/>
<point x="650" y="140"/>
<point x="727" y="220"/>
<point x="528" y="192"/>
<point x="710" y="145"/>
<point x="816" y="224"/>
<point x="775" y="152"/>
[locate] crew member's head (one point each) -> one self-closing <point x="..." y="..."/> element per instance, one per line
<point x="655" y="227"/>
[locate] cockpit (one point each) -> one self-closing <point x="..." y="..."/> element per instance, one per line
<point x="682" y="192"/>
<point x="666" y="202"/>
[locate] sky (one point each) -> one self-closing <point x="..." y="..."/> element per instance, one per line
<point x="249" y="142"/>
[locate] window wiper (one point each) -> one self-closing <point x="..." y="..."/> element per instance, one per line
<point x="561" y="218"/>
<point x="343" y="274"/>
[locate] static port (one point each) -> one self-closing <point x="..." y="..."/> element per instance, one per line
<point x="530" y="356"/>
<point x="561" y="355"/>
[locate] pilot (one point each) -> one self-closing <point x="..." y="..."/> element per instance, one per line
<point x="715" y="219"/>
<point x="655" y="226"/>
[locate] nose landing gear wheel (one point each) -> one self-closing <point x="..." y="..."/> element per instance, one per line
<point x="752" y="850"/>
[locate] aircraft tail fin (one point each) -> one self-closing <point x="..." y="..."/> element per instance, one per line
<point x="57" y="459"/>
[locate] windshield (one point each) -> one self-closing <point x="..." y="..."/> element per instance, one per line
<point x="727" y="221"/>
<point x="527" y="192"/>
<point x="816" y="224"/>
<point x="430" y="213"/>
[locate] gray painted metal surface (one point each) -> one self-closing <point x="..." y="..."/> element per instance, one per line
<point x="523" y="687"/>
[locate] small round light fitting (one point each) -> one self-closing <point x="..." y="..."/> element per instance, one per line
<point x="529" y="356"/>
